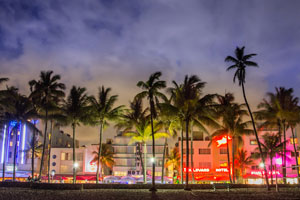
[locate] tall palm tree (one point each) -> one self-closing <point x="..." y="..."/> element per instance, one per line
<point x="106" y="159"/>
<point x="242" y="162"/>
<point x="185" y="102"/>
<point x="240" y="63"/>
<point x="75" y="109"/>
<point x="231" y="116"/>
<point x="143" y="134"/>
<point x="271" y="145"/>
<point x="170" y="125"/>
<point x="102" y="111"/>
<point x="130" y="119"/>
<point x="174" y="160"/>
<point x="151" y="91"/>
<point x="46" y="89"/>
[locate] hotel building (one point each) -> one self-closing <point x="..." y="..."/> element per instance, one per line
<point x="210" y="159"/>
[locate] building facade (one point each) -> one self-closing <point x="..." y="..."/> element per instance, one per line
<point x="211" y="162"/>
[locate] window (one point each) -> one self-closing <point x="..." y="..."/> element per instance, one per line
<point x="79" y="156"/>
<point x="204" y="151"/>
<point x="255" y="167"/>
<point x="66" y="156"/>
<point x="253" y="142"/>
<point x="54" y="164"/>
<point x="129" y="172"/>
<point x="291" y="141"/>
<point x="294" y="167"/>
<point x="205" y="165"/>
<point x="223" y="163"/>
<point x="223" y="151"/>
<point x="10" y="144"/>
<point x="207" y="138"/>
<point x="54" y="156"/>
<point x="10" y="154"/>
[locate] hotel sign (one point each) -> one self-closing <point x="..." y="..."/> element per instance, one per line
<point x="206" y="170"/>
<point x="263" y="173"/>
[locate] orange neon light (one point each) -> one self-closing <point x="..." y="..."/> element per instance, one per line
<point x="222" y="141"/>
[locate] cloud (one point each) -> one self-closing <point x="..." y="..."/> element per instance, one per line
<point x="116" y="43"/>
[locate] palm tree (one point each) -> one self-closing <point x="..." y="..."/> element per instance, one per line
<point x="34" y="152"/>
<point x="46" y="89"/>
<point x="174" y="160"/>
<point x="18" y="108"/>
<point x="243" y="162"/>
<point x="232" y="125"/>
<point x="151" y="91"/>
<point x="106" y="159"/>
<point x="103" y="111"/>
<point x="185" y="102"/>
<point x="75" y="109"/>
<point x="143" y="134"/>
<point x="240" y="63"/>
<point x="271" y="146"/>
<point x="130" y="119"/>
<point x="280" y="109"/>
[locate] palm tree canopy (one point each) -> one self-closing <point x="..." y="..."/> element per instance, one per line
<point x="174" y="159"/>
<point x="47" y="88"/>
<point x="106" y="158"/>
<point x="75" y="107"/>
<point x="240" y="62"/>
<point x="102" y="108"/>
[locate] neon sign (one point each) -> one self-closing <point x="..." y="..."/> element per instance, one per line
<point x="222" y="170"/>
<point x="263" y="173"/>
<point x="199" y="170"/>
<point x="222" y="141"/>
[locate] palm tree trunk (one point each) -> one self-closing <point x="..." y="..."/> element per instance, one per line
<point x="271" y="163"/>
<point x="99" y="152"/>
<point x="33" y="150"/>
<point x="256" y="135"/>
<point x="232" y="156"/>
<point x="141" y="156"/>
<point x="181" y="156"/>
<point x="50" y="144"/>
<point x="284" y="154"/>
<point x="163" y="161"/>
<point x="296" y="156"/>
<point x="228" y="159"/>
<point x="187" y="156"/>
<point x="192" y="153"/>
<point x="145" y="163"/>
<point x="74" y="154"/>
<point x="153" y="145"/>
<point x="4" y="160"/>
<point x="44" y="144"/>
<point x="15" y="150"/>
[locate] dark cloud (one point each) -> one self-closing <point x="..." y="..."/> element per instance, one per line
<point x="118" y="42"/>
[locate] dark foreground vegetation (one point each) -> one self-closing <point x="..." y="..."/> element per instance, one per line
<point x="144" y="194"/>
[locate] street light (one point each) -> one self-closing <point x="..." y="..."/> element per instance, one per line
<point x="52" y="174"/>
<point x="152" y="160"/>
<point x="76" y="165"/>
<point x="261" y="165"/>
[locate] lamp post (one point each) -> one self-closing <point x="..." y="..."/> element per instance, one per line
<point x="262" y="165"/>
<point x="277" y="162"/>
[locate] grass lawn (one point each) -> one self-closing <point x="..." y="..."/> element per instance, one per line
<point x="110" y="194"/>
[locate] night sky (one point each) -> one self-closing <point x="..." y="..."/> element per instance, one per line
<point x="117" y="43"/>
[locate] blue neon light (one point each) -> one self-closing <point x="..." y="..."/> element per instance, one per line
<point x="23" y="143"/>
<point x="3" y="144"/>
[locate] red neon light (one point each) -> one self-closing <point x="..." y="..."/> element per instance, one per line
<point x="198" y="170"/>
<point x="263" y="172"/>
<point x="222" y="141"/>
<point x="222" y="170"/>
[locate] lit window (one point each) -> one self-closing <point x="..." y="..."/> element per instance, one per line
<point x="253" y="142"/>
<point x="18" y="132"/>
<point x="10" y="144"/>
<point x="291" y="141"/>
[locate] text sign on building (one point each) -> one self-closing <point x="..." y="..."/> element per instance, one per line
<point x="198" y="170"/>
<point x="263" y="173"/>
